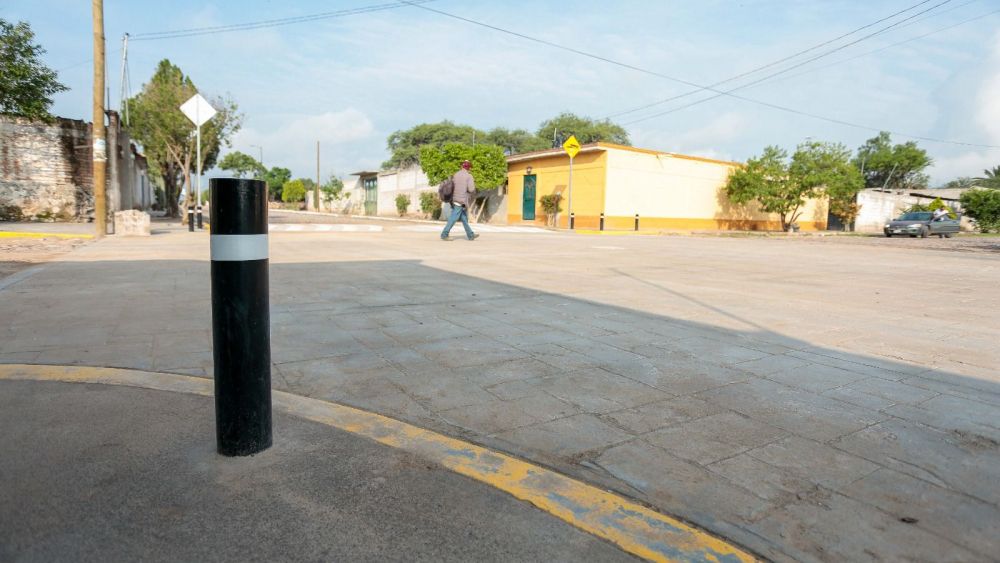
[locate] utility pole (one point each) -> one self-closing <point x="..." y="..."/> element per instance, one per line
<point x="123" y="101"/>
<point x="98" y="132"/>
<point x="316" y="190"/>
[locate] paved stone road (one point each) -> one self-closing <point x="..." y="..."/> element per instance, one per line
<point x="810" y="401"/>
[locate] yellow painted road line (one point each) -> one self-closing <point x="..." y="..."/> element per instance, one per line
<point x="18" y="234"/>
<point x="632" y="527"/>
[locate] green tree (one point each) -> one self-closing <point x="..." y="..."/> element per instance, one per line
<point x="897" y="167"/>
<point x="586" y="130"/>
<point x="990" y="178"/>
<point x="406" y="145"/>
<point x="168" y="137"/>
<point x="275" y="179"/>
<point x="782" y="187"/>
<point x="960" y="183"/>
<point x="983" y="206"/>
<point x="515" y="141"/>
<point x="241" y="164"/>
<point x="489" y="166"/>
<point x="26" y="85"/>
<point x="333" y="189"/>
<point x="827" y="167"/>
<point x="293" y="191"/>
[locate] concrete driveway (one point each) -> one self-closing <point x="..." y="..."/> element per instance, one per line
<point x="810" y="401"/>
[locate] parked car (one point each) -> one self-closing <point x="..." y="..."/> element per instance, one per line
<point x="921" y="224"/>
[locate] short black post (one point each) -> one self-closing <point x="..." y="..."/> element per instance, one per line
<point x="191" y="218"/>
<point x="637" y="221"/>
<point x="200" y="225"/>
<point x="241" y="316"/>
<point x="572" y="220"/>
<point x="602" y="221"/>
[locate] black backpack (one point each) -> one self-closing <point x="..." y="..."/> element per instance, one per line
<point x="446" y="189"/>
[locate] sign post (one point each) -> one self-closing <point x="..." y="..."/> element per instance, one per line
<point x="199" y="111"/>
<point x="572" y="147"/>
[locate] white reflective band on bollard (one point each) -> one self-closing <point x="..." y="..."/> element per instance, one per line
<point x="238" y="248"/>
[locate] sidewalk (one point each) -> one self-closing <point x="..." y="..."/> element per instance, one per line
<point x="803" y="400"/>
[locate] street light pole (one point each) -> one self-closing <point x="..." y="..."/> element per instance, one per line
<point x="99" y="144"/>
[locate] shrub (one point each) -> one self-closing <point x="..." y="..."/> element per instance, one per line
<point x="917" y="208"/>
<point x="938" y="204"/>
<point x="402" y="204"/>
<point x="11" y="213"/>
<point x="550" y="205"/>
<point x="983" y="205"/>
<point x="293" y="191"/>
<point x="430" y="204"/>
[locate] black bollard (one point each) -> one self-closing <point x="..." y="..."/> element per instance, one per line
<point x="241" y="316"/>
<point x="572" y="219"/>
<point x="191" y="218"/>
<point x="637" y="221"/>
<point x="602" y="221"/>
<point x="200" y="225"/>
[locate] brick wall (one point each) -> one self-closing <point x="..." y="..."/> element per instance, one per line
<point x="45" y="168"/>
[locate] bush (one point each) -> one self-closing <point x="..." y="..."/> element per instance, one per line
<point x="550" y="206"/>
<point x="983" y="205"/>
<point x="293" y="191"/>
<point x="430" y="204"/>
<point x="917" y="208"/>
<point x="11" y="213"/>
<point x="402" y="204"/>
<point x="938" y="204"/>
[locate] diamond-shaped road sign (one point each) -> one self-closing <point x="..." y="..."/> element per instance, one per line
<point x="198" y="110"/>
<point x="571" y="146"/>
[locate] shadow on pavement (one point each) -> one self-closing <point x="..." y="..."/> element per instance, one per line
<point x="788" y="448"/>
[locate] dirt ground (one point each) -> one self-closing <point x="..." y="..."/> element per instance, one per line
<point x="19" y="253"/>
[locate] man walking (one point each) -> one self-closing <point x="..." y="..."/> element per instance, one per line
<point x="462" y="196"/>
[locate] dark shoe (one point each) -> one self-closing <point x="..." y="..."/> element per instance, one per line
<point x="474" y="236"/>
<point x="446" y="239"/>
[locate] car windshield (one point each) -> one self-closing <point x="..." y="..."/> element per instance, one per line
<point x="915" y="216"/>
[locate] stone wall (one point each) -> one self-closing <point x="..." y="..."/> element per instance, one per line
<point x="45" y="169"/>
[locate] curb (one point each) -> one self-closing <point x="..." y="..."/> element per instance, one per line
<point x="632" y="527"/>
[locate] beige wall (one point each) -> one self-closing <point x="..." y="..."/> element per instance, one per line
<point x="680" y="192"/>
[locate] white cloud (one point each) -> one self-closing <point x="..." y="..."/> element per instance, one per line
<point x="290" y="141"/>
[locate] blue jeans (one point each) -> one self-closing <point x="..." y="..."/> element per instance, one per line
<point x="458" y="212"/>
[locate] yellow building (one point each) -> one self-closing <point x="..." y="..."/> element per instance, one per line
<point x="667" y="191"/>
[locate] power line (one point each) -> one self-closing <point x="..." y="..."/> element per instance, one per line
<point x="191" y="32"/>
<point x="898" y="43"/>
<point x="769" y="65"/>
<point x="682" y="81"/>
<point x="782" y="71"/>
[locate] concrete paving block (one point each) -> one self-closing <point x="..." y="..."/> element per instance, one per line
<point x="443" y="393"/>
<point x="958" y="462"/>
<point x="715" y="351"/>
<point x="565" y="437"/>
<point x="711" y="438"/>
<point x="763" y="480"/>
<point x="813" y="462"/>
<point x="799" y="412"/>
<point x="950" y="384"/>
<point x="816" y="377"/>
<point x="705" y="498"/>
<point x="956" y="517"/>
<point x="489" y="418"/>
<point x="681" y="374"/>
<point x="507" y="371"/>
<point x="772" y="364"/>
<point x="973" y="419"/>
<point x="411" y="334"/>
<point x="815" y="529"/>
<point x="597" y="390"/>
<point x="466" y="352"/>
<point x="653" y="416"/>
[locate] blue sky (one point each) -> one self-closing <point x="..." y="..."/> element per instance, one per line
<point x="351" y="81"/>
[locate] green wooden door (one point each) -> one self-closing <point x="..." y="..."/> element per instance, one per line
<point x="371" y="195"/>
<point x="528" y="206"/>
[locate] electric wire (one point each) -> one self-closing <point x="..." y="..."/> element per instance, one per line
<point x="191" y="32"/>
<point x="687" y="82"/>
<point x="770" y="64"/>
<point x="779" y="72"/>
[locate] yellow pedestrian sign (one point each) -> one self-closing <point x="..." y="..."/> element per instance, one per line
<point x="571" y="146"/>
